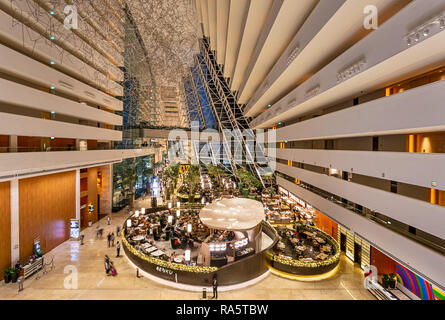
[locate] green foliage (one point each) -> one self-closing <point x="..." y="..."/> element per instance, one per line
<point x="158" y="165"/>
<point x="216" y="173"/>
<point x="172" y="172"/>
<point x="248" y="179"/>
<point x="193" y="179"/>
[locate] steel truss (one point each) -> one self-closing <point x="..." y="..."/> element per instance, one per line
<point x="228" y="114"/>
<point x="194" y="104"/>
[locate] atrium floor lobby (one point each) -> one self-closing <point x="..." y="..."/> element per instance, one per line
<point x="93" y="283"/>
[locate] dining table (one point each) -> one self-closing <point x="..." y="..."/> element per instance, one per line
<point x="326" y="248"/>
<point x="138" y="238"/>
<point x="320" y="240"/>
<point x="281" y="245"/>
<point x="157" y="253"/>
<point x="151" y="249"/>
<point x="301" y="248"/>
<point x="322" y="256"/>
<point x="306" y="260"/>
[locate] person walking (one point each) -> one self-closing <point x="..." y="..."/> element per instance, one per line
<point x="113" y="269"/>
<point x="118" y="231"/>
<point x="109" y="239"/>
<point x="118" y="248"/>
<point x="108" y="220"/>
<point x="107" y="264"/>
<point x="215" y="288"/>
<point x="112" y="239"/>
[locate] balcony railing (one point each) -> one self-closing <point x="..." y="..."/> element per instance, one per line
<point x="438" y="245"/>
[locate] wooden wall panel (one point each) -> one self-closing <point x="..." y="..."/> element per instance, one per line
<point x="106" y="190"/>
<point x="327" y="225"/>
<point x="83" y="184"/>
<point x="383" y="263"/>
<point x="29" y="142"/>
<point x="46" y="204"/>
<point x="4" y="141"/>
<point x="92" y="144"/>
<point x="5" y="227"/>
<point x="63" y="143"/>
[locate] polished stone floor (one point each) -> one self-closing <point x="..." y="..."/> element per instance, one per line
<point x="92" y="282"/>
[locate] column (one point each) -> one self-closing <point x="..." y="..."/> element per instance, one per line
<point x="15" y="248"/>
<point x="13" y="143"/>
<point x="78" y="194"/>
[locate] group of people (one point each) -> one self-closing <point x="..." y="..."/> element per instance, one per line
<point x="99" y="232"/>
<point x="110" y="239"/>
<point x="109" y="267"/>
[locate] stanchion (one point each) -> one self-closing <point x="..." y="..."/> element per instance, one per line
<point x="204" y="293"/>
<point x="20" y="283"/>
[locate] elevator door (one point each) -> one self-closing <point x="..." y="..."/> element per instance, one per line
<point x="358" y="253"/>
<point x="343" y="242"/>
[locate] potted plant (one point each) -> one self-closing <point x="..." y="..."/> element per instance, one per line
<point x="7" y="275"/>
<point x="392" y="281"/>
<point x="385" y="281"/>
<point x="14" y="274"/>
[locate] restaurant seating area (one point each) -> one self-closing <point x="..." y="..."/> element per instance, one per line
<point x="167" y="234"/>
<point x="178" y="235"/>
<point x="300" y="244"/>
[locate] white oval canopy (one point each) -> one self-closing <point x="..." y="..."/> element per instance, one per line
<point x="235" y="214"/>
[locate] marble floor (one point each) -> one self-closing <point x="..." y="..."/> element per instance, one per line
<point x="93" y="283"/>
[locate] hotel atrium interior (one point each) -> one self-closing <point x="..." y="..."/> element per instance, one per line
<point x="222" y="149"/>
